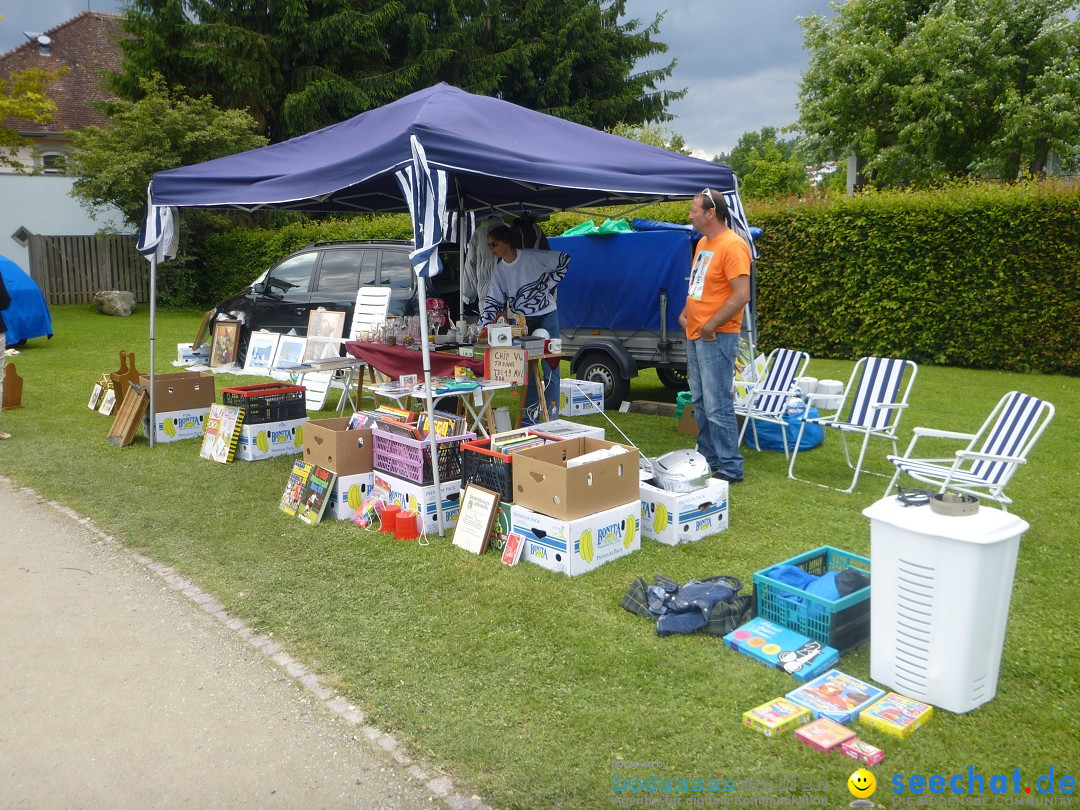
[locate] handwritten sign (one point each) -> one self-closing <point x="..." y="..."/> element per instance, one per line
<point x="506" y="364"/>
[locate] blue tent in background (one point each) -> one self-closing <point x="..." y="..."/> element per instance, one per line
<point x="437" y="154"/>
<point x="28" y="316"/>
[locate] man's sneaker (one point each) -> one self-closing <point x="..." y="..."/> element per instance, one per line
<point x="4" y="435"/>
<point x="719" y="476"/>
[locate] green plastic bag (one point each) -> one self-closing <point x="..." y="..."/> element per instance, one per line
<point x="614" y="226"/>
<point x="682" y="399"/>
<point x="584" y="228"/>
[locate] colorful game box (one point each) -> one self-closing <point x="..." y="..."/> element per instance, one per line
<point x="897" y="715"/>
<point x="869" y="755"/>
<point x="776" y="717"/>
<point x="823" y="734"/>
<point x="837" y="696"/>
<point x="776" y="646"/>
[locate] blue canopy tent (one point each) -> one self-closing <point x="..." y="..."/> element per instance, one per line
<point x="437" y="154"/>
<point x="28" y="316"/>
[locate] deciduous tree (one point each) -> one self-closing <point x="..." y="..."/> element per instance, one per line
<point x="766" y="166"/>
<point x="928" y="89"/>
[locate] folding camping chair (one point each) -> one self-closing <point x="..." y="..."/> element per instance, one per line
<point x="874" y="399"/>
<point x="767" y="401"/>
<point x="369" y="315"/>
<point x="992" y="455"/>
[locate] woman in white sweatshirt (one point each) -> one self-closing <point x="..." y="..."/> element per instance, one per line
<point x="524" y="281"/>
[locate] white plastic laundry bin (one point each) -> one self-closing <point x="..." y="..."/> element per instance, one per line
<point x="940" y="600"/>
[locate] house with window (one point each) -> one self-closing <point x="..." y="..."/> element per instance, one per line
<point x="35" y="197"/>
<point x="85" y="47"/>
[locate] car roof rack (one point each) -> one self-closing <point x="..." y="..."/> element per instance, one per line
<point x="406" y="242"/>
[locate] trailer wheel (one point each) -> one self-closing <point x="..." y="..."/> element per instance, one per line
<point x="602" y="368"/>
<point x="673" y="379"/>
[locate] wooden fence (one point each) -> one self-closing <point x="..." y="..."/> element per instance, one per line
<point x="71" y="269"/>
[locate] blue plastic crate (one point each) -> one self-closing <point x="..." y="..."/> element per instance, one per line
<point x="843" y="623"/>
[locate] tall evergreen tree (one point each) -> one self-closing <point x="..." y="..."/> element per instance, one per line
<point x="297" y="65"/>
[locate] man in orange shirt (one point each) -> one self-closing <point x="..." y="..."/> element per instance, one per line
<point x="712" y="318"/>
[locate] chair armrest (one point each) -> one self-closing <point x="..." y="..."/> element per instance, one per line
<point x="889" y="405"/>
<point x="942" y="434"/>
<point x="972" y="454"/>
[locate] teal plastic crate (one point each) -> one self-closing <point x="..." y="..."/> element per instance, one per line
<point x="843" y="623"/>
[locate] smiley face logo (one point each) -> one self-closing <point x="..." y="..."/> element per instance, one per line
<point x="862" y="784"/>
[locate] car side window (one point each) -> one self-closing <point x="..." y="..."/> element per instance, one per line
<point x="396" y="272"/>
<point x="292" y="275"/>
<point x="346" y="269"/>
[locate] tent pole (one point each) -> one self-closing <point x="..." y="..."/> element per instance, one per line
<point x="153" y="335"/>
<point x="425" y="349"/>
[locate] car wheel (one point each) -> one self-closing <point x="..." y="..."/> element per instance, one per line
<point x="674" y="379"/>
<point x="602" y="368"/>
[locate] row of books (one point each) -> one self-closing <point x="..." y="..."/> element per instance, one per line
<point x="515" y="442"/>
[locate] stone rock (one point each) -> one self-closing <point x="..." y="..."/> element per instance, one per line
<point x="115" y="302"/>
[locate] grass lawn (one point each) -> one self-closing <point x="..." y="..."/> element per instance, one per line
<point x="527" y="685"/>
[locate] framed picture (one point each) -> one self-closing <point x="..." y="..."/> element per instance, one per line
<point x="108" y="402"/>
<point x="203" y="335"/>
<point x="479" y="507"/>
<point x="325" y="328"/>
<point x="226" y="343"/>
<point x="260" y="351"/>
<point x="290" y="352"/>
<point x="95" y="396"/>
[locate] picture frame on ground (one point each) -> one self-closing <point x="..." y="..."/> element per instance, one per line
<point x="262" y="346"/>
<point x="95" y="396"/>
<point x="325" y="328"/>
<point x="290" y="352"/>
<point x="479" y="507"/>
<point x="226" y="343"/>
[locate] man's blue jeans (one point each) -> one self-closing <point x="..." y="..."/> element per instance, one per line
<point x="552" y="376"/>
<point x="710" y="365"/>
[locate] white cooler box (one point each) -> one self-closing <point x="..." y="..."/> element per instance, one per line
<point x="940" y="601"/>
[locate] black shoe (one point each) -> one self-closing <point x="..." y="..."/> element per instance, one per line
<point x="719" y="476"/>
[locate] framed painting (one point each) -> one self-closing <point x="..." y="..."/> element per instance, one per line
<point x="290" y="352"/>
<point x="260" y="351"/>
<point x="479" y="507"/>
<point x="226" y="343"/>
<point x="325" y="328"/>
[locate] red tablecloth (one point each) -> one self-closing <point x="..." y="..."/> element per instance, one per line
<point x="393" y="361"/>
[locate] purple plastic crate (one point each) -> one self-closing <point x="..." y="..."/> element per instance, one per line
<point x="410" y="459"/>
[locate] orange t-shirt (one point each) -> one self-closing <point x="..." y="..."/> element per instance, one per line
<point x="717" y="260"/>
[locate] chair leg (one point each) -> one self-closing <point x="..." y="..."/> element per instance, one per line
<point x="795" y="453"/>
<point x="858" y="465"/>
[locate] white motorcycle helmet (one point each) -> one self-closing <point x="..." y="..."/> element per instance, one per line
<point x="681" y="471"/>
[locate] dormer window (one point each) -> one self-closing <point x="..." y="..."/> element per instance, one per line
<point x="53" y="163"/>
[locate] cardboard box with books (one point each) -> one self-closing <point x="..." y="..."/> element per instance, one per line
<point x="329" y="444"/>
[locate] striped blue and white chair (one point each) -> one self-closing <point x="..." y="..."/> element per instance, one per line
<point x="992" y="455"/>
<point x="873" y="402"/>
<point x="767" y="401"/>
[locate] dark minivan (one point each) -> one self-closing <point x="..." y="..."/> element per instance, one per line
<point x="328" y="274"/>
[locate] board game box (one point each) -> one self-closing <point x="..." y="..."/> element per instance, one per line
<point x="823" y="734"/>
<point x="869" y="755"/>
<point x="776" y="717"/>
<point x="837" y="696"/>
<point x="776" y="646"/>
<point x="897" y="715"/>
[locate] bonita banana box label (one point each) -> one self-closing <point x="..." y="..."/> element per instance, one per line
<point x="270" y="439"/>
<point x="350" y="491"/>
<point x="673" y="518"/>
<point x="174" y="426"/>
<point x="576" y="546"/>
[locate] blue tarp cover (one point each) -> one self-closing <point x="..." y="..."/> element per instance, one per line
<point x="605" y="287"/>
<point x="28" y="316"/>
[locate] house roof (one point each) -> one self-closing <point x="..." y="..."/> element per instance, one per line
<point x="86" y="46"/>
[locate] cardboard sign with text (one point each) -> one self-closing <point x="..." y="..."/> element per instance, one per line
<point x="505" y="364"/>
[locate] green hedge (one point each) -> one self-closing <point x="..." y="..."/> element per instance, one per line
<point x="980" y="276"/>
<point x="973" y="276"/>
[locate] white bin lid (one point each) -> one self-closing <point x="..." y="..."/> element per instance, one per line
<point x="986" y="526"/>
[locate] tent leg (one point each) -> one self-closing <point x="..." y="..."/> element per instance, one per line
<point x="425" y="346"/>
<point x="153" y="335"/>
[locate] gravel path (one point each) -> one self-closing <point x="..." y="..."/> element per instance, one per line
<point x="123" y="685"/>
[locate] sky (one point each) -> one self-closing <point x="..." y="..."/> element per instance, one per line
<point x="740" y="61"/>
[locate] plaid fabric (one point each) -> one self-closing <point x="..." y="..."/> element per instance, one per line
<point x="717" y="618"/>
<point x="726" y="616"/>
